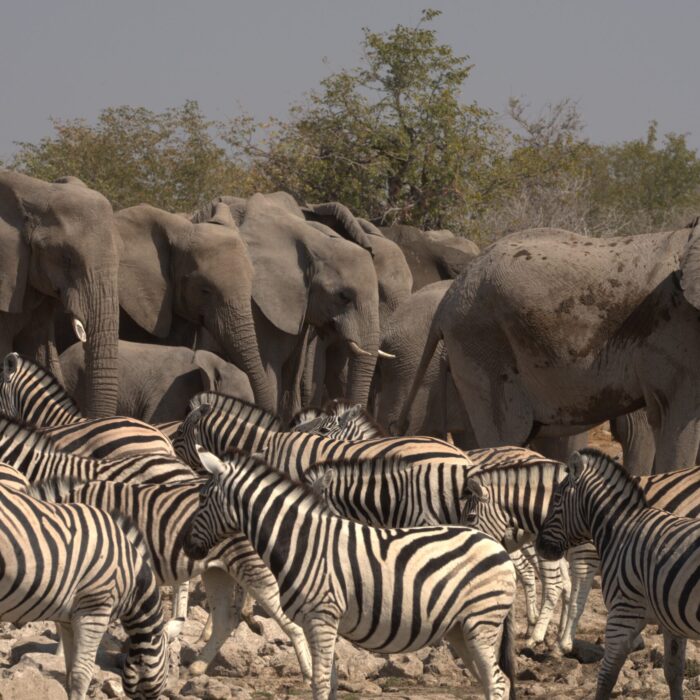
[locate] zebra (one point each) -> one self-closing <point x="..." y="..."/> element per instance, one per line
<point x="650" y="561"/>
<point x="33" y="395"/>
<point x="74" y="565"/>
<point x="386" y="590"/>
<point x="33" y="454"/>
<point x="161" y="511"/>
<point x="339" y="420"/>
<point x="222" y="422"/>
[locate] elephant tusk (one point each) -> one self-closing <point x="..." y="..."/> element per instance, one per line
<point x="387" y="355"/>
<point x="79" y="330"/>
<point x="357" y="350"/>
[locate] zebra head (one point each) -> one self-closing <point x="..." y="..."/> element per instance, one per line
<point x="474" y="497"/>
<point x="565" y="525"/>
<point x="145" y="672"/>
<point x="8" y="393"/>
<point x="214" y="518"/>
<point x="189" y="435"/>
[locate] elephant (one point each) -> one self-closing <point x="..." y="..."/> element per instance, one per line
<point x="432" y="256"/>
<point x="156" y="382"/>
<point x="325" y="371"/>
<point x="197" y="274"/>
<point x="58" y="253"/>
<point x="308" y="280"/>
<point x="548" y="332"/>
<point x="437" y="409"/>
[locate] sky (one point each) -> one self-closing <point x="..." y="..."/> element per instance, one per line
<point x="625" y="62"/>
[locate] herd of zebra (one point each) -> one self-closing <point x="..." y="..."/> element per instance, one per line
<point x="394" y="543"/>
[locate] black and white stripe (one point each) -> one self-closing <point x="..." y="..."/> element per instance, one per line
<point x="650" y="561"/>
<point x="74" y="565"/>
<point x="387" y="590"/>
<point x="161" y="512"/>
<point x="34" y="396"/>
<point x="339" y="420"/>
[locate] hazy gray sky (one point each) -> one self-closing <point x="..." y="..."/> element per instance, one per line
<point x="625" y="61"/>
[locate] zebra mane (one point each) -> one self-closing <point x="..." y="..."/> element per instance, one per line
<point x="360" y="467"/>
<point x="517" y="464"/>
<point x="230" y="404"/>
<point x="55" y="488"/>
<point x="358" y="414"/>
<point x="43" y="375"/>
<point x="601" y="461"/>
<point x="41" y="442"/>
<point x="306" y="415"/>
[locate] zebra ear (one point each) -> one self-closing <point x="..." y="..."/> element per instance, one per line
<point x="9" y="365"/>
<point x="173" y="629"/>
<point x="210" y="462"/>
<point x="474" y="487"/>
<point x="575" y="465"/>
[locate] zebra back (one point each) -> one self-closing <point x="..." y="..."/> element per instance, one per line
<point x="676" y="492"/>
<point x="220" y="423"/>
<point x="340" y="420"/>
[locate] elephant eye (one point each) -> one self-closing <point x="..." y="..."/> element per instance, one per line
<point x="345" y="297"/>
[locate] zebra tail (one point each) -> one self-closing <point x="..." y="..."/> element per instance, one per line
<point x="506" y="654"/>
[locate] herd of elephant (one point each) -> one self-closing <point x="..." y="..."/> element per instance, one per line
<point x="540" y="336"/>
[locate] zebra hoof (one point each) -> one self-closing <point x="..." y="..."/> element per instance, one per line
<point x="197" y="668"/>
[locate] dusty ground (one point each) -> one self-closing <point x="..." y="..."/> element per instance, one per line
<point x="259" y="666"/>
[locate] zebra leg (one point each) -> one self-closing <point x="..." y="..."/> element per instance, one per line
<point x="247" y="614"/>
<point x="583" y="564"/>
<point x="60" y="647"/>
<point x="224" y="613"/>
<point x="88" y="630"/>
<point x="674" y="664"/>
<point x="622" y="627"/>
<point x="321" y="633"/>
<point x="565" y="593"/>
<point x="526" y="576"/>
<point x="206" y="630"/>
<point x="181" y="595"/>
<point x="477" y="648"/>
<point x="550" y="577"/>
<point x="66" y="645"/>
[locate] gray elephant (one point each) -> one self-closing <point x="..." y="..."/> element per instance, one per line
<point x="307" y="278"/>
<point x="548" y="332"/>
<point x="326" y="363"/>
<point x="200" y="274"/>
<point x="58" y="252"/>
<point x="156" y="382"/>
<point x="432" y="256"/>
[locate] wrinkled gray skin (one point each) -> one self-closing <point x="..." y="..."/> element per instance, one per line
<point x="58" y="252"/>
<point x="431" y="256"/>
<point x="307" y="278"/>
<point x="156" y="382"/>
<point x="549" y="332"/>
<point x="437" y="408"/>
<point x="326" y="363"/>
<point x="201" y="274"/>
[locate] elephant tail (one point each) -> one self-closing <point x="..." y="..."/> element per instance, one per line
<point x="434" y="337"/>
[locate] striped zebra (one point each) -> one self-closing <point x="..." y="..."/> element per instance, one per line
<point x="33" y="395"/>
<point x="161" y="513"/>
<point x="33" y="454"/>
<point x="650" y="561"/>
<point x="74" y="565"/>
<point x="339" y="420"/>
<point x="221" y="422"/>
<point x="386" y="590"/>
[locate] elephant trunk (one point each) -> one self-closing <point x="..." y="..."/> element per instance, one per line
<point x="99" y="317"/>
<point x="362" y="364"/>
<point x="234" y="330"/>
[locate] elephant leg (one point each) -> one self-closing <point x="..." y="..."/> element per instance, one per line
<point x="633" y="432"/>
<point x="498" y="407"/>
<point x="676" y="431"/>
<point x="560" y="448"/>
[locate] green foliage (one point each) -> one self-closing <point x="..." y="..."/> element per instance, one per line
<point x="393" y="139"/>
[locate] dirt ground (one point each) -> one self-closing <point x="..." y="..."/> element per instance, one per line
<point x="262" y="665"/>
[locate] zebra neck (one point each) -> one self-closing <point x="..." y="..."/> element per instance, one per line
<point x="276" y="515"/>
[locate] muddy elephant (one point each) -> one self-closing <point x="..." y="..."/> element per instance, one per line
<point x="171" y="269"/>
<point x="58" y="253"/>
<point x="308" y="280"/>
<point x="431" y="255"/>
<point x="156" y="382"/>
<point x="548" y="332"/>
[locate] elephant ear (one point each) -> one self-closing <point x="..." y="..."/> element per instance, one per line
<point x="690" y="266"/>
<point x="146" y="289"/>
<point x="338" y="217"/>
<point x="222" y="216"/>
<point x="281" y="262"/>
<point x="14" y="250"/>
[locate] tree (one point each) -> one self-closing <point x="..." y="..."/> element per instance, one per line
<point x="390" y="138"/>
<point x="169" y="159"/>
